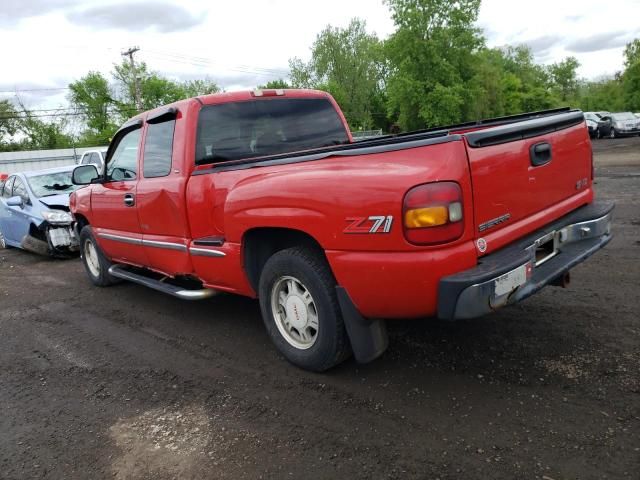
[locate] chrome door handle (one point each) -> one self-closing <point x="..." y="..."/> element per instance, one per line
<point x="129" y="200"/>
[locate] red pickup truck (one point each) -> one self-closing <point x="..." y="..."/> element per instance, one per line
<point x="265" y="194"/>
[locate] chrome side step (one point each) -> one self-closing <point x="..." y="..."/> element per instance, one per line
<point x="121" y="271"/>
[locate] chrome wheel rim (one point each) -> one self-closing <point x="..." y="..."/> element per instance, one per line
<point x="3" y="244"/>
<point x="612" y="133"/>
<point x="295" y="312"/>
<point x="91" y="258"/>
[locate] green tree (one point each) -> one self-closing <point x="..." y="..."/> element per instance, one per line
<point x="631" y="76"/>
<point x="348" y="63"/>
<point x="38" y="134"/>
<point x="155" y="90"/>
<point x="632" y="52"/>
<point x="275" y="85"/>
<point x="564" y="77"/>
<point x="8" y="123"/>
<point x="92" y="96"/>
<point x="631" y="87"/>
<point x="196" y="88"/>
<point x="431" y="60"/>
<point x="533" y="89"/>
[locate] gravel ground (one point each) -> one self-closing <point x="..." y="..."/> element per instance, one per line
<point x="127" y="383"/>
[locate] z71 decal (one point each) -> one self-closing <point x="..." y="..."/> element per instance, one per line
<point x="372" y="224"/>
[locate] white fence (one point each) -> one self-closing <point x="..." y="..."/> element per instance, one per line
<point x="365" y="134"/>
<point x="14" y="162"/>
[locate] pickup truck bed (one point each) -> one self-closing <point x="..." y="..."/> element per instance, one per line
<point x="266" y="195"/>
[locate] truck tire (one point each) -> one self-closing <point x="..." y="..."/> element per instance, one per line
<point x="300" y="309"/>
<point x="94" y="261"/>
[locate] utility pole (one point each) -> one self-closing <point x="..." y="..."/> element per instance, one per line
<point x="129" y="53"/>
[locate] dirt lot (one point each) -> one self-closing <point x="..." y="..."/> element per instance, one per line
<point x="127" y="383"/>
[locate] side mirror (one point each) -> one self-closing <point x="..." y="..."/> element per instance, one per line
<point x="15" y="202"/>
<point x="84" y="175"/>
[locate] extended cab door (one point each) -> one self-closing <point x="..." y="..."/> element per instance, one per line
<point x="113" y="202"/>
<point x="161" y="194"/>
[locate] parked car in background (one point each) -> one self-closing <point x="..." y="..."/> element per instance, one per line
<point x="637" y="114"/>
<point x="624" y="123"/>
<point x="94" y="157"/>
<point x="34" y="212"/>
<point x="598" y="128"/>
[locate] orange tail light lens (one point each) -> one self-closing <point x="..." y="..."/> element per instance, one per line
<point x="433" y="213"/>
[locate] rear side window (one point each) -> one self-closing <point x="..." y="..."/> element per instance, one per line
<point x="271" y="126"/>
<point x="158" y="149"/>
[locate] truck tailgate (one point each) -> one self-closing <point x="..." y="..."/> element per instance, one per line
<point x="522" y="169"/>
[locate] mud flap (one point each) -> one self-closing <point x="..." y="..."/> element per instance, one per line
<point x="368" y="337"/>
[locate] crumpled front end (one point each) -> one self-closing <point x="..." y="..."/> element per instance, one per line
<point x="57" y="240"/>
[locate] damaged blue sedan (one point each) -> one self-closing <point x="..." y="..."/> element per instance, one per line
<point x="34" y="212"/>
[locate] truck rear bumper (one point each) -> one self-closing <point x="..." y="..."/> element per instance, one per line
<point x="526" y="266"/>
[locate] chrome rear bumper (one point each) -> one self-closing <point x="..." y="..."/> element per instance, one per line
<point x="521" y="269"/>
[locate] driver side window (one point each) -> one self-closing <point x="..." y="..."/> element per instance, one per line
<point x="123" y="164"/>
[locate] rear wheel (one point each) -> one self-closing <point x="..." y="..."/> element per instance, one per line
<point x="598" y="134"/>
<point x="94" y="261"/>
<point x="3" y="242"/>
<point x="613" y="133"/>
<point x="300" y="309"/>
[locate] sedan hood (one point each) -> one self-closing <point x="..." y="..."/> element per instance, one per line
<point x="57" y="201"/>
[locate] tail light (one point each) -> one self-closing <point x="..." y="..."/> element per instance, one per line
<point x="432" y="213"/>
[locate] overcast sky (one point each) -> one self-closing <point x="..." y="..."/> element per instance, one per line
<point x="239" y="44"/>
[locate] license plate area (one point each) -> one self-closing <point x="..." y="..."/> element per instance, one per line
<point x="508" y="282"/>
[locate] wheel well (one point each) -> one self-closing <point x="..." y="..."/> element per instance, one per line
<point x="259" y="244"/>
<point x="36" y="232"/>
<point x="81" y="222"/>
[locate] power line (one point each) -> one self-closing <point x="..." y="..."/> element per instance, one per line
<point x="172" y="57"/>
<point x="18" y="90"/>
<point x="204" y="62"/>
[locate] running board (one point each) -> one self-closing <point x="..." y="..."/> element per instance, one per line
<point x="120" y="271"/>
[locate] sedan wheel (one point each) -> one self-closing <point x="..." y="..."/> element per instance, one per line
<point x="3" y="243"/>
<point x="612" y="133"/>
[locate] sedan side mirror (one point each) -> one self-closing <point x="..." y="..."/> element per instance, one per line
<point x="15" y="202"/>
<point x="84" y="175"/>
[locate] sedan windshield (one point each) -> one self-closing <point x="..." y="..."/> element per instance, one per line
<point x="51" y="184"/>
<point x="623" y="116"/>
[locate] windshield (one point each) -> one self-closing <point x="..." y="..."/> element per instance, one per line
<point x="51" y="184"/>
<point x="259" y="128"/>
<point x="623" y="116"/>
<point x="591" y="116"/>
